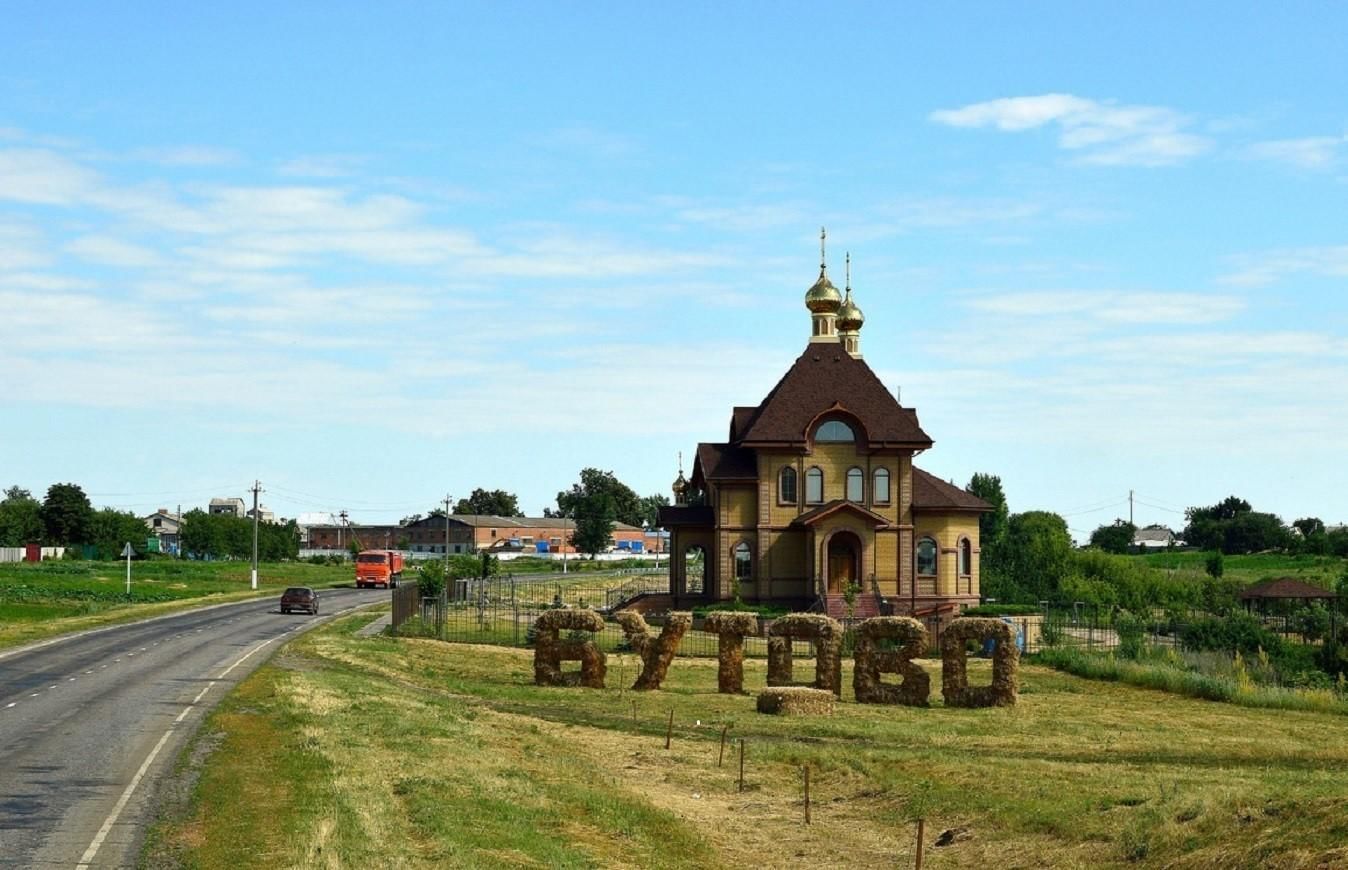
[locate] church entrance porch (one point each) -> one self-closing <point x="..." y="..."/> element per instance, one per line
<point x="844" y="554"/>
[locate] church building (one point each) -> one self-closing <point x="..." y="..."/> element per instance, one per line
<point x="813" y="498"/>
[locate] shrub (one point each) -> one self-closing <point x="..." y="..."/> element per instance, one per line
<point x="1236" y="632"/>
<point x="1130" y="629"/>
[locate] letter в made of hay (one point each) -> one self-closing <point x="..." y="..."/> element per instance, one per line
<point x="655" y="652"/>
<point x="827" y="636"/>
<point x="954" y="663"/>
<point x="910" y="638"/>
<point x="730" y="628"/>
<point x="550" y="650"/>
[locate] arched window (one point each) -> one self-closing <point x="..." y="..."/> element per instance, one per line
<point x="966" y="553"/>
<point x="834" y="430"/>
<point x="744" y="562"/>
<point x="814" y="485"/>
<point x="856" y="485"/>
<point x="926" y="557"/>
<point x="786" y="486"/>
<point x="880" y="490"/>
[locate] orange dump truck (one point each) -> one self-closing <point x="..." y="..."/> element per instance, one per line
<point x="379" y="568"/>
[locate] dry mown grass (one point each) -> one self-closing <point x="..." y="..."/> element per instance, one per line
<point x="413" y="752"/>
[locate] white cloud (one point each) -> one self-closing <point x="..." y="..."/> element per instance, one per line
<point x="42" y="177"/>
<point x="114" y="252"/>
<point x="1312" y="152"/>
<point x="21" y="247"/>
<point x="1103" y="133"/>
<point x="321" y="166"/>
<point x="1120" y="307"/>
<point x="189" y="155"/>
<point x="1271" y="266"/>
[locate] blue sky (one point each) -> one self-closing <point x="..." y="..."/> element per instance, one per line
<point x="374" y="254"/>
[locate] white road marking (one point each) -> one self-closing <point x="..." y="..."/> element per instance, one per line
<point x="10" y="704"/>
<point x="34" y="695"/>
<point x="89" y="854"/>
<point x="71" y="680"/>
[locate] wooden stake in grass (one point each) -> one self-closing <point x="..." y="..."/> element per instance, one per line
<point x="634" y="714"/>
<point x="807" y="794"/>
<point x="721" y="756"/>
<point x="921" y="824"/>
<point x="669" y="731"/>
<point x="741" y="764"/>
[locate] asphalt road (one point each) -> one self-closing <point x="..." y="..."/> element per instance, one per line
<point x="88" y="724"/>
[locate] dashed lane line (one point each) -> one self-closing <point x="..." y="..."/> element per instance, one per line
<point x="89" y="854"/>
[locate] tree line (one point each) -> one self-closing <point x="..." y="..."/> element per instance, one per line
<point x="1030" y="557"/>
<point x="594" y="503"/>
<point x="66" y="518"/>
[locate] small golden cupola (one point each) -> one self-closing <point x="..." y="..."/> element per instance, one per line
<point x="850" y="319"/>
<point x="680" y="485"/>
<point x="823" y="300"/>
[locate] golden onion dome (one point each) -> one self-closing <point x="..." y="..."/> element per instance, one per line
<point x="823" y="297"/>
<point x="849" y="315"/>
<point x="680" y="484"/>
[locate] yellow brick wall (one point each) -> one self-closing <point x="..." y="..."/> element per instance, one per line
<point x="834" y="460"/>
<point x="947" y="530"/>
<point x="737" y="505"/>
<point x="787" y="556"/>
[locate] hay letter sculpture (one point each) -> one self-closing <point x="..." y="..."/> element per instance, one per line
<point x="550" y="650"/>
<point x="730" y="628"/>
<point x="656" y="652"/>
<point x="827" y="636"/>
<point x="954" y="661"/>
<point x="871" y="661"/>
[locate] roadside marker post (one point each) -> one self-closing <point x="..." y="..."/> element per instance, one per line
<point x="128" y="553"/>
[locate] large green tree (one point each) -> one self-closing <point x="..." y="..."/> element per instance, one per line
<point x="67" y="515"/>
<point x="594" y="487"/>
<point x="1114" y="538"/>
<point x="111" y="529"/>
<point x="1233" y="526"/>
<point x="991" y="529"/>
<point x="219" y="536"/>
<point x="1036" y="559"/>
<point x="650" y="509"/>
<point x="496" y="503"/>
<point x="20" y="518"/>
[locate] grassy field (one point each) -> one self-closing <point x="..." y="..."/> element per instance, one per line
<point x="55" y="597"/>
<point x="1320" y="570"/>
<point x="351" y="752"/>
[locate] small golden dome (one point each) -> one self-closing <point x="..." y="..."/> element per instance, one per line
<point x="680" y="484"/>
<point x="823" y="297"/>
<point x="850" y="317"/>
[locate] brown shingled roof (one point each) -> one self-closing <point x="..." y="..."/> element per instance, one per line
<point x="685" y="515"/>
<point x="739" y="420"/>
<point x="1284" y="587"/>
<point x="826" y="377"/>
<point x="932" y="493"/>
<point x="727" y="462"/>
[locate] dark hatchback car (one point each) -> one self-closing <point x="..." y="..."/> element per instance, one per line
<point x="299" y="598"/>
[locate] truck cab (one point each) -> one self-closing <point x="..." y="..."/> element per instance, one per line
<point x="379" y="568"/>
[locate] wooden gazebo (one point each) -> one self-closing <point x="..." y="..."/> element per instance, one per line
<point x="1284" y="589"/>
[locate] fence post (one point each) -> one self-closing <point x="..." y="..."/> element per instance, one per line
<point x="515" y="610"/>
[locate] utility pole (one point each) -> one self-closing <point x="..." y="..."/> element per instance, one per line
<point x="1130" y="507"/>
<point x="342" y="517"/>
<point x="564" y="541"/>
<point x="257" y="488"/>
<point x="178" y="552"/>
<point x="446" y="536"/>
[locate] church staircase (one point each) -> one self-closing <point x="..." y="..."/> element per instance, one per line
<point x="863" y="607"/>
